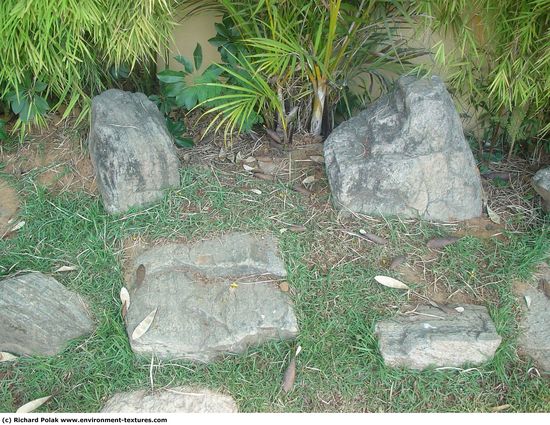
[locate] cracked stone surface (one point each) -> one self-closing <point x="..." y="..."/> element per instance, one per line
<point x="433" y="338"/>
<point x="541" y="183"/>
<point x="534" y="339"/>
<point x="405" y="155"/>
<point x="171" y="400"/>
<point x="38" y="315"/>
<point x="131" y="149"/>
<point x="213" y="297"/>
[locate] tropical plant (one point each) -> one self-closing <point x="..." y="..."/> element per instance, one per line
<point x="69" y="47"/>
<point x="501" y="62"/>
<point x="220" y="88"/>
<point x="307" y="53"/>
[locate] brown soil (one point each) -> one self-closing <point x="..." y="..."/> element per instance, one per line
<point x="55" y="157"/>
<point x="9" y="204"/>
<point x="481" y="227"/>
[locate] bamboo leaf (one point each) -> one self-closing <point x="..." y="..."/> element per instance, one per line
<point x="390" y="282"/>
<point x="31" y="406"/>
<point x="144" y="325"/>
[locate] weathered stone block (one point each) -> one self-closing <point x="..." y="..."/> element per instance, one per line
<point x="405" y="155"/>
<point x="431" y="337"/>
<point x="38" y="315"/>
<point x="131" y="149"/>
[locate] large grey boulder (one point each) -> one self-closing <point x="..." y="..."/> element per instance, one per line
<point x="541" y="183"/>
<point x="535" y="328"/>
<point x="431" y="337"/>
<point x="211" y="297"/>
<point x="171" y="400"/>
<point x="405" y="155"/>
<point x="38" y="315"/>
<point x="131" y="149"/>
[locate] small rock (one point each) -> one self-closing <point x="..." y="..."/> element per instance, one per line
<point x="541" y="183"/>
<point x="534" y="339"/>
<point x="434" y="338"/>
<point x="172" y="400"/>
<point x="131" y="149"/>
<point x="38" y="315"/>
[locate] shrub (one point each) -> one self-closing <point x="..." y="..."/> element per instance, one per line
<point x="294" y="58"/>
<point x="70" y="49"/>
<point x="501" y="63"/>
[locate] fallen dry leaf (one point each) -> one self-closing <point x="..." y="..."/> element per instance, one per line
<point x="33" y="405"/>
<point x="374" y="238"/>
<point x="248" y="167"/>
<point x="527" y="301"/>
<point x="250" y="159"/>
<point x="289" y="376"/>
<point x="318" y="159"/>
<point x="544" y="286"/>
<point x="256" y="191"/>
<point x="397" y="261"/>
<point x="283" y="286"/>
<point x="493" y="216"/>
<point x="66" y="269"/>
<point x="144" y="326"/>
<point x="140" y="275"/>
<point x="308" y="180"/>
<point x="390" y="282"/>
<point x="274" y="136"/>
<point x="438" y="243"/>
<point x="500" y="408"/>
<point x="125" y="299"/>
<point x="296" y="229"/>
<point x="7" y="357"/>
<point x="17" y="226"/>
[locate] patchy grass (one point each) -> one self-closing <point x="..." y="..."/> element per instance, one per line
<point x="337" y="302"/>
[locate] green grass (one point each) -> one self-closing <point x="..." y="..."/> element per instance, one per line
<point x="336" y="300"/>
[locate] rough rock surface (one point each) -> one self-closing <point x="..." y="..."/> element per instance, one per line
<point x="405" y="155"/>
<point x="541" y="183"/>
<point x="535" y="336"/>
<point x="38" y="315"/>
<point x="172" y="400"/>
<point x="213" y="297"/>
<point x="431" y="337"/>
<point x="131" y="149"/>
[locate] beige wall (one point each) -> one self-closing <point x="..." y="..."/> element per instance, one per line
<point x="199" y="28"/>
<point x="188" y="32"/>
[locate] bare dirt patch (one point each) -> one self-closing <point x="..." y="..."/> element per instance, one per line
<point x="9" y="204"/>
<point x="56" y="158"/>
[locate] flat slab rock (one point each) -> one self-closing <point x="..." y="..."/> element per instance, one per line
<point x="131" y="149"/>
<point x="405" y="155"/>
<point x="534" y="339"/>
<point x="172" y="400"/>
<point x="212" y="297"/>
<point x="433" y="338"/>
<point x="38" y="315"/>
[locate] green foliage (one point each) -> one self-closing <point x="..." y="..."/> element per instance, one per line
<point x="307" y="53"/>
<point x="501" y="62"/>
<point x="230" y="91"/>
<point x="3" y="132"/>
<point x="75" y="47"/>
